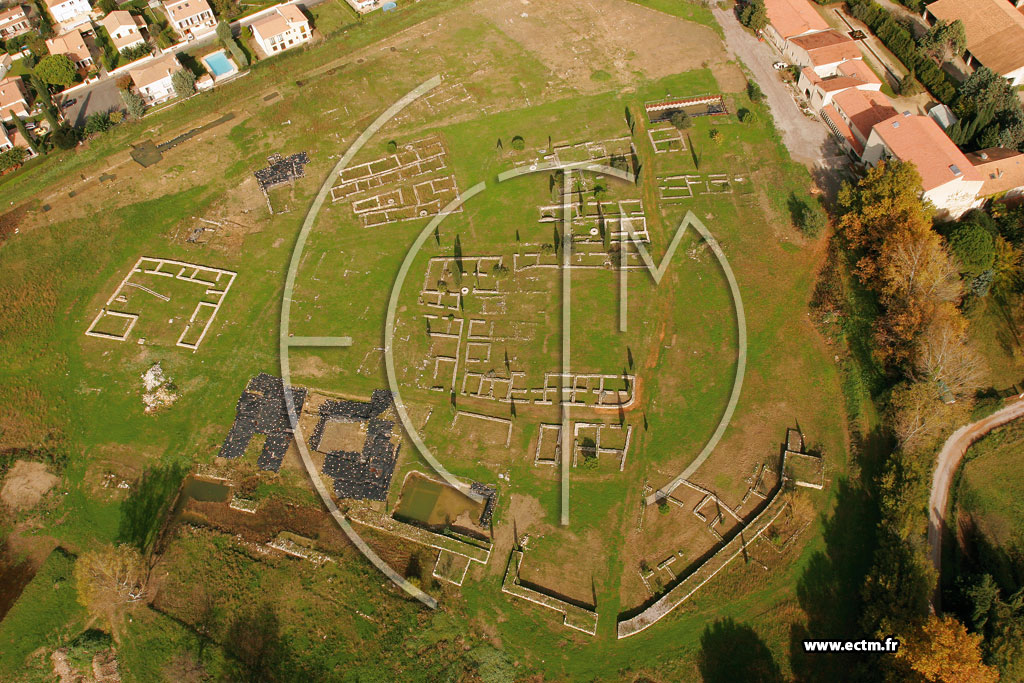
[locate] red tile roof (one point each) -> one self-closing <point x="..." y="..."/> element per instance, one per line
<point x="1001" y="169"/>
<point x="920" y="140"/>
<point x="794" y="17"/>
<point x="828" y="47"/>
<point x="864" y="108"/>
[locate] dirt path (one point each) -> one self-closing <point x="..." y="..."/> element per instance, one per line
<point x="949" y="458"/>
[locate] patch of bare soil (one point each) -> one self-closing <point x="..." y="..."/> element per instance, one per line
<point x="26" y="484"/>
<point x="575" y="38"/>
<point x="525" y="514"/>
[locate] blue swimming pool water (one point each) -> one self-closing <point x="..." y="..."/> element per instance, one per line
<point x="218" y="64"/>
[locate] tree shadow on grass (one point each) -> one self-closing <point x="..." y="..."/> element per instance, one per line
<point x="731" y="652"/>
<point x="829" y="590"/>
<point x="259" y="649"/>
<point x="143" y="511"/>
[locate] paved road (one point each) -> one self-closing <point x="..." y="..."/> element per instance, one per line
<point x="949" y="458"/>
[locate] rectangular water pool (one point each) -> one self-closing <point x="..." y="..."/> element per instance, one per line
<point x="218" y="64"/>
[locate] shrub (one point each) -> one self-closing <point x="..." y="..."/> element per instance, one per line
<point x="392" y="146"/>
<point x="811" y="220"/>
<point x="97" y="123"/>
<point x="12" y="158"/>
<point x="754" y="91"/>
<point x="716" y="136"/>
<point x="681" y="120"/>
<point x="130" y="54"/>
<point x="974" y="247"/>
<point x="184" y="82"/>
<point x="748" y="116"/>
<point x="134" y="103"/>
<point x="518" y="144"/>
<point x="65" y="137"/>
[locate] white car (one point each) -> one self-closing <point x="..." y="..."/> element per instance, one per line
<point x="780" y="65"/>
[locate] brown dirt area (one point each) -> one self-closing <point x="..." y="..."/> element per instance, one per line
<point x="574" y="38"/>
<point x="26" y="484"/>
<point x="343" y="436"/>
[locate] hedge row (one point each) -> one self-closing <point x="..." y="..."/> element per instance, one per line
<point x="901" y="43"/>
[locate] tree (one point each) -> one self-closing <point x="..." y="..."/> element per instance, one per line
<point x="97" y="122"/>
<point x="917" y="416"/>
<point x="109" y="579"/>
<point x="12" y="158"/>
<point x="134" y="103"/>
<point x="227" y="39"/>
<point x="982" y="88"/>
<point x="392" y="146"/>
<point x="754" y="16"/>
<point x="943" y="40"/>
<point x="974" y="247"/>
<point x="65" y="137"/>
<point x="23" y="131"/>
<point x="941" y="649"/>
<point x="518" y="144"/>
<point x="942" y="354"/>
<point x="754" y="91"/>
<point x="56" y="70"/>
<point x="811" y="220"/>
<point x="909" y="85"/>
<point x="184" y="82"/>
<point x="681" y="120"/>
<point x="748" y="116"/>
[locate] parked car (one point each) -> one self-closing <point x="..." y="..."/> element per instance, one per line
<point x="67" y="104"/>
<point x="780" y="66"/>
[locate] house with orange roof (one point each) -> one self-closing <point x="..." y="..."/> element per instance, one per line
<point x="72" y="45"/>
<point x="284" y="28"/>
<point x="995" y="33"/>
<point x="9" y="139"/>
<point x="1002" y="173"/>
<point x="154" y="80"/>
<point x="788" y="19"/>
<point x="124" y="29"/>
<point x="948" y="179"/>
<point x="852" y="73"/>
<point x="853" y="113"/>
<point x="190" y="18"/>
<point x="14" y="21"/>
<point x="13" y="96"/>
<point x="823" y="51"/>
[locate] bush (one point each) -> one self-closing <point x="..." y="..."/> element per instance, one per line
<point x="974" y="247"/>
<point x="97" y="123"/>
<point x="518" y="144"/>
<point x="754" y="91"/>
<point x="748" y="116"/>
<point x="134" y="103"/>
<point x="392" y="146"/>
<point x="65" y="137"/>
<point x="716" y="136"/>
<point x="184" y="82"/>
<point x="12" y="158"/>
<point x="130" y="54"/>
<point x="681" y="120"/>
<point x="812" y="219"/>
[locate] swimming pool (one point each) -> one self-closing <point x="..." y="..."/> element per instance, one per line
<point x="218" y="64"/>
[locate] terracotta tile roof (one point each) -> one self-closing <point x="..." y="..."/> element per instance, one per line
<point x="276" y="23"/>
<point x="858" y="69"/>
<point x="120" y="20"/>
<point x="794" y="17"/>
<point x="13" y="15"/>
<point x="995" y="30"/>
<point x="155" y="71"/>
<point x="829" y="112"/>
<point x="1001" y="169"/>
<point x="71" y="44"/>
<point x="864" y="108"/>
<point x="918" y="139"/>
<point x="12" y="94"/>
<point x="828" y="47"/>
<point x="180" y="10"/>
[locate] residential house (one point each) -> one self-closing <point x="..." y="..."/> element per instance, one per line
<point x="853" y="113"/>
<point x="995" y="33"/>
<point x="822" y="51"/>
<point x="13" y="96"/>
<point x="71" y="44"/>
<point x="71" y="13"/>
<point x="13" y="22"/>
<point x="363" y="6"/>
<point x="124" y="28"/>
<point x="153" y="80"/>
<point x="1002" y="173"/>
<point x="6" y="64"/>
<point x="190" y="18"/>
<point x="853" y="73"/>
<point x="284" y="28"/>
<point x="788" y="19"/>
<point x="948" y="179"/>
<point x="10" y="139"/>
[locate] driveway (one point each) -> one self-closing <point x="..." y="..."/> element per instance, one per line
<point x="949" y="458"/>
<point x="101" y="96"/>
<point x="807" y="140"/>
